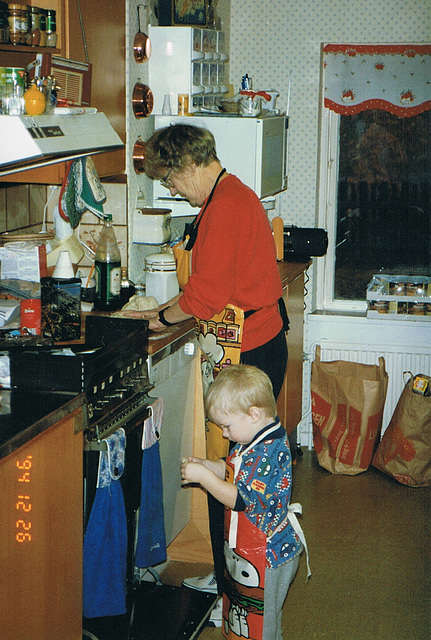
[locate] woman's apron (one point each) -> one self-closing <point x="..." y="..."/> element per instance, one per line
<point x="245" y="554"/>
<point x="219" y="338"/>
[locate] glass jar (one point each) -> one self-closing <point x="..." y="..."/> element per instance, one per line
<point x="15" y="20"/>
<point x="42" y="27"/>
<point x="51" y="28"/>
<point x="26" y="24"/>
<point x="35" y="26"/>
<point x="13" y="100"/>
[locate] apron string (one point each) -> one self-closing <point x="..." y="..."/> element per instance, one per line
<point x="193" y="227"/>
<point x="292" y="509"/>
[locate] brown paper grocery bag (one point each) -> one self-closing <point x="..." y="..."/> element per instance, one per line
<point x="405" y="449"/>
<point x="347" y="400"/>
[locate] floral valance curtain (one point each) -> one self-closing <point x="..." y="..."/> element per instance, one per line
<point x="396" y="78"/>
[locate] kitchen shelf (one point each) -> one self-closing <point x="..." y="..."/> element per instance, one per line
<point x="28" y="49"/>
<point x="109" y="97"/>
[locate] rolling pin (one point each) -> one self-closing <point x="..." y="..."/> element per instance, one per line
<point x="277" y="232"/>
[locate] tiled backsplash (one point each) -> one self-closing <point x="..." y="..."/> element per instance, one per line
<point x="22" y="206"/>
<point x="90" y="225"/>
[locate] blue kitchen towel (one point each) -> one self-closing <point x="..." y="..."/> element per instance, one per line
<point x="105" y="541"/>
<point x="151" y="543"/>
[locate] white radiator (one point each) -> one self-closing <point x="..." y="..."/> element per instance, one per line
<point x="405" y="346"/>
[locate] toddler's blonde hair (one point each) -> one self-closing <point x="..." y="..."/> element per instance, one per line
<point x="237" y="388"/>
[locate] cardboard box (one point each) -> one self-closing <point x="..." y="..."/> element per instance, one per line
<point x="399" y="297"/>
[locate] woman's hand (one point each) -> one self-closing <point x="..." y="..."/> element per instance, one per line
<point x="152" y="315"/>
<point x="175" y="314"/>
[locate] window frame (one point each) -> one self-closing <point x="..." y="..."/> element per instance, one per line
<point x="327" y="216"/>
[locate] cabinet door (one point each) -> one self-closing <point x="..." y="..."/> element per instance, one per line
<point x="41" y="535"/>
<point x="105" y="39"/>
<point x="289" y="403"/>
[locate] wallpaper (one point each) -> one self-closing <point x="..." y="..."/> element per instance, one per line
<point x="268" y="39"/>
<point x="277" y="42"/>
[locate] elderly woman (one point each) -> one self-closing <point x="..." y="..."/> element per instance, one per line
<point x="233" y="260"/>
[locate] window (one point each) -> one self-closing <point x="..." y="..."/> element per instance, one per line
<point x="375" y="194"/>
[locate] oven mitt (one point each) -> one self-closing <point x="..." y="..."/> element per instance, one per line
<point x="105" y="541"/>
<point x="151" y="543"/>
<point x="90" y="193"/>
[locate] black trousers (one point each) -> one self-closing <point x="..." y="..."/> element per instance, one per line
<point x="272" y="359"/>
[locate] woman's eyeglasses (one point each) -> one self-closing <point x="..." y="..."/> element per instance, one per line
<point x="165" y="182"/>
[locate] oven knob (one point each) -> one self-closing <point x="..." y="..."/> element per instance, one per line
<point x="115" y="395"/>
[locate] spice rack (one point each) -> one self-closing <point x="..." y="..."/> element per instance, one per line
<point x="23" y="54"/>
<point x="399" y="297"/>
<point x="190" y="61"/>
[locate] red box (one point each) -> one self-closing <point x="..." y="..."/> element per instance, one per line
<point x="30" y="316"/>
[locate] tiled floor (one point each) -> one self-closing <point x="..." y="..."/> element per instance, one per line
<point x="369" y="543"/>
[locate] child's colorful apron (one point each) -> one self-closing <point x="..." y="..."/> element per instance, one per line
<point x="245" y="554"/>
<point x="219" y="338"/>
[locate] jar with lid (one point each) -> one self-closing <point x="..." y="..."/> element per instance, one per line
<point x="35" y="26"/>
<point x="26" y="24"/>
<point x="51" y="28"/>
<point x="15" y="20"/>
<point x="161" y="277"/>
<point x="42" y="27"/>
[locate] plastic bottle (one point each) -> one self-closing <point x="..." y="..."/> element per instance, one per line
<point x="107" y="269"/>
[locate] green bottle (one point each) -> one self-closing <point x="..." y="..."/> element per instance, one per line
<point x="107" y="269"/>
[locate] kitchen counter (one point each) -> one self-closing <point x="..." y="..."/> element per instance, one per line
<point x="24" y="415"/>
<point x="289" y="271"/>
<point x="157" y="341"/>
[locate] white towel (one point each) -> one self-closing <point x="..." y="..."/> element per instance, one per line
<point x="153" y="424"/>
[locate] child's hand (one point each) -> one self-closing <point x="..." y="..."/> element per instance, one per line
<point x="191" y="470"/>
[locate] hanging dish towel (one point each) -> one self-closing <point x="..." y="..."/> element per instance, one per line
<point x="105" y="541"/>
<point x="151" y="544"/>
<point x="81" y="191"/>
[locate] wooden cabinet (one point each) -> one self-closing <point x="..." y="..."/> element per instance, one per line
<point x="103" y="45"/>
<point x="105" y="40"/>
<point x="41" y="535"/>
<point x="289" y="402"/>
<point x="193" y="542"/>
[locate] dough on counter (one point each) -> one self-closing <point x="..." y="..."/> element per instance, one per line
<point x="139" y="303"/>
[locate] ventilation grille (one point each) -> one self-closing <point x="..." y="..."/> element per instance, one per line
<point x="70" y="84"/>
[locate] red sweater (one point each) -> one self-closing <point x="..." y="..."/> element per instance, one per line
<point x="234" y="260"/>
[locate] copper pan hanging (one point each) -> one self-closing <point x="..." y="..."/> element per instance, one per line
<point x="141" y="43"/>
<point x="142" y="100"/>
<point x="138" y="156"/>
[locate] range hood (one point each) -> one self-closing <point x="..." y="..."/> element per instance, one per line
<point x="28" y="142"/>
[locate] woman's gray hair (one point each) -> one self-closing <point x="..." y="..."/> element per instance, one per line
<point x="177" y="146"/>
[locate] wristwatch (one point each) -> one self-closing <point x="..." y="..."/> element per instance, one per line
<point x="163" y="320"/>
